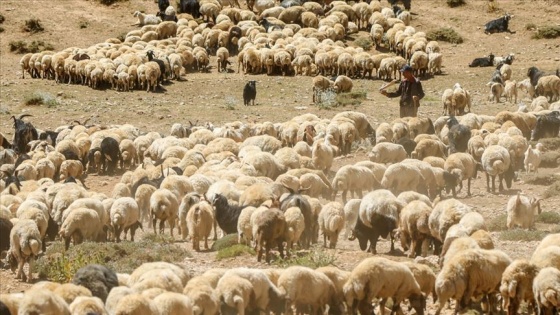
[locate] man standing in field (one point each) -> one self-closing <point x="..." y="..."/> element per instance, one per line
<point x="411" y="92"/>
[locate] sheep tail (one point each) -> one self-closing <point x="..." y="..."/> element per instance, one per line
<point x="35" y="246"/>
<point x="196" y="310"/>
<point x="512" y="288"/>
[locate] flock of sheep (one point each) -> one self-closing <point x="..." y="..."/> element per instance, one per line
<point x="270" y="184"/>
<point x="300" y="39"/>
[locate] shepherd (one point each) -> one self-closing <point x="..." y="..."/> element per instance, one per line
<point x="411" y="92"/>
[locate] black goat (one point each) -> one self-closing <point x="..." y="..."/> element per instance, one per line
<point x="165" y="17"/>
<point x="110" y="151"/>
<point x="497" y="76"/>
<point x="408" y="144"/>
<point x="49" y="136"/>
<point x="483" y="62"/>
<point x="382" y="226"/>
<point x="5" y="228"/>
<point x="234" y="35"/>
<point x="79" y="57"/>
<point x="226" y="215"/>
<point x="498" y="25"/>
<point x="24" y="133"/>
<point x="97" y="278"/>
<point x="406" y="3"/>
<point x="534" y="75"/>
<point x="269" y="25"/>
<point x="162" y="5"/>
<point x="458" y="135"/>
<point x="160" y="63"/>
<point x="249" y="93"/>
<point x="191" y="7"/>
<point x="290" y="3"/>
<point x="547" y="126"/>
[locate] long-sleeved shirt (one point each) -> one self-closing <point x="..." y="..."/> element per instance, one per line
<point x="406" y="90"/>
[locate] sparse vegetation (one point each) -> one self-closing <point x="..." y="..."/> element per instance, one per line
<point x="1" y="29"/>
<point x="21" y="47"/>
<point x="365" y="42"/>
<point x="225" y="242"/>
<point x="455" y="3"/>
<point x="60" y="266"/>
<point x="110" y="2"/>
<point x="445" y="34"/>
<point x="530" y="26"/>
<point x="522" y="235"/>
<point x="326" y="99"/>
<point x="552" y="190"/>
<point x="547" y="32"/>
<point x="83" y="24"/>
<point x="550" y="144"/>
<point x="40" y="98"/>
<point x="498" y="223"/>
<point x="2" y="19"/>
<point x="234" y="251"/>
<point x="541" y="179"/>
<point x="314" y="258"/>
<point x="549" y="217"/>
<point x="121" y="37"/>
<point x="33" y="26"/>
<point x="351" y="98"/>
<point x="550" y="159"/>
<point x="492" y="6"/>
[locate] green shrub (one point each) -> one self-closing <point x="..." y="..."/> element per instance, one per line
<point x="455" y="3"/>
<point x="547" y="32"/>
<point x="538" y="179"/>
<point x="530" y="26"/>
<point x="225" y="242"/>
<point x="33" y="26"/>
<point x="549" y="217"/>
<point x="497" y="224"/>
<point x="365" y="42"/>
<point x="445" y="34"/>
<point x="60" y="266"/>
<point x="40" y="98"/>
<point x="21" y="47"/>
<point x="314" y="258"/>
<point x="351" y="98"/>
<point x="552" y="190"/>
<point x="234" y="251"/>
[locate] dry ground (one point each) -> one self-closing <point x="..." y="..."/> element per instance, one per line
<point x="205" y="96"/>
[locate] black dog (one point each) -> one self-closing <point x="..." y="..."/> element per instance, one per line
<point x="249" y="93"/>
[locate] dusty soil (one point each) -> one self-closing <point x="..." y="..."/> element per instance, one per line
<point x="203" y="97"/>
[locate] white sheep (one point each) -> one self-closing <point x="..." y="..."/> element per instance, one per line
<point x="549" y="85"/>
<point x="82" y="224"/>
<point x="205" y="299"/>
<point x="146" y="19"/>
<point x="413" y="227"/>
<point x="25" y="245"/>
<point x="387" y="152"/>
<point x="517" y="284"/>
<point x="164" y="207"/>
<point x="381" y="278"/>
<point x="351" y="211"/>
<point x="521" y="210"/>
<point x="200" y="219"/>
<point x="496" y="161"/>
<point x="305" y="288"/>
<point x="354" y="178"/>
<point x="533" y="158"/>
<point x="135" y="304"/>
<point x="546" y="289"/>
<point x="331" y="222"/>
<point x="84" y="305"/>
<point x="124" y="215"/>
<point x="295" y="225"/>
<point x="470" y="273"/>
<point x="69" y="292"/>
<point x="42" y="301"/>
<point x="236" y="293"/>
<point x="173" y="303"/>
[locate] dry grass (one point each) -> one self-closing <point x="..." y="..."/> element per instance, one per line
<point x="445" y="34"/>
<point x="497" y="224"/>
<point x="455" y="3"/>
<point x="365" y="42"/>
<point x="522" y="235"/>
<point x="547" y="32"/>
<point x="549" y="217"/>
<point x="552" y="191"/>
<point x="550" y="159"/>
<point x="22" y="47"/>
<point x="225" y="242"/>
<point x="40" y="98"/>
<point x="538" y="179"/>
<point x="33" y="26"/>
<point x="234" y="251"/>
<point x="314" y="258"/>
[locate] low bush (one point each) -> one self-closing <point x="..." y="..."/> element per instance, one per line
<point x="33" y="26"/>
<point x="445" y="34"/>
<point x="314" y="258"/>
<point x="547" y="32"/>
<point x="234" y="251"/>
<point x="365" y="42"/>
<point x="40" y="98"/>
<point x="225" y="242"/>
<point x="22" y="47"/>
<point x="455" y="3"/>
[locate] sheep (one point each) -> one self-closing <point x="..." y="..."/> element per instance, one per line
<point x="97" y="278"/>
<point x="227" y="214"/>
<point x="401" y="177"/>
<point x="458" y="135"/>
<point x="546" y="288"/>
<point x="164" y="206"/>
<point x="413" y="227"/>
<point x="146" y="19"/>
<point x="496" y="161"/>
<point x="268" y="229"/>
<point x="547" y="126"/>
<point x="378" y="277"/>
<point x="496" y="91"/>
<point x="387" y="153"/>
<point x="521" y="211"/>
<point x="80" y="224"/>
<point x="355" y="179"/>
<point x="25" y="245"/>
<point x="204" y="297"/>
<point x="69" y="292"/>
<point x="516" y="285"/>
<point x="549" y="86"/>
<point x="320" y="85"/>
<point x="458" y="167"/>
<point x="295" y="224"/>
<point x="5" y="228"/>
<point x="323" y="153"/>
<point x="445" y="214"/>
<point x="306" y="288"/>
<point x="84" y="305"/>
<point x="379" y="211"/>
<point x="331" y="222"/>
<point x="42" y="301"/>
<point x="429" y="147"/>
<point x="342" y="84"/>
<point x="200" y="219"/>
<point x="469" y="274"/>
<point x="236" y="294"/>
<point x="124" y="215"/>
<point x="135" y="304"/>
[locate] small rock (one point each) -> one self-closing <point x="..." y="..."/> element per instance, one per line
<point x="160" y="117"/>
<point x="60" y="93"/>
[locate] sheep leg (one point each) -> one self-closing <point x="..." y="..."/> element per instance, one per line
<point x="501" y="186"/>
<point x="215" y="230"/>
<point x="154" y="220"/>
<point x="267" y="252"/>
<point x="162" y="226"/>
<point x="344" y="193"/>
<point x="30" y="263"/>
<point x="468" y="187"/>
<point x="206" y="243"/>
<point x="324" y="239"/>
<point x="413" y="244"/>
<point x="382" y="306"/>
<point x="20" y="274"/>
<point x="281" y="248"/>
